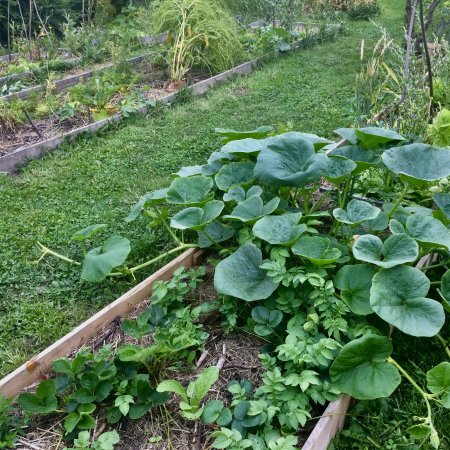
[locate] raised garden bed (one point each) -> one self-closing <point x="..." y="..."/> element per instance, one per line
<point x="327" y="285"/>
<point x="236" y="354"/>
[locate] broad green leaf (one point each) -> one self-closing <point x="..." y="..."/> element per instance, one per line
<point x="232" y="135"/>
<point x="195" y="218"/>
<point x="428" y="231"/>
<point x="279" y="230"/>
<point x="99" y="261"/>
<point x="357" y="212"/>
<point x="234" y="174"/>
<point x="240" y="275"/>
<point x="363" y="158"/>
<point x="71" y="422"/>
<point x="43" y="401"/>
<point x="380" y="223"/>
<point x="247" y="146"/>
<point x="438" y="381"/>
<point x="416" y="163"/>
<point x="252" y="209"/>
<point x="317" y="141"/>
<point x="370" y="137"/>
<point x="338" y="168"/>
<point x="355" y="282"/>
<point x="190" y="191"/>
<point x="190" y="171"/>
<point x="198" y="388"/>
<point x="108" y="440"/>
<point x="398" y="297"/>
<point x="152" y="198"/>
<point x="443" y="202"/>
<point x="173" y="386"/>
<point x="318" y="250"/>
<point x="444" y="291"/>
<point x="347" y="133"/>
<point x="290" y="161"/>
<point x="216" y="231"/>
<point x="211" y="411"/>
<point x="396" y="249"/>
<point x="238" y="195"/>
<point x="361" y="369"/>
<point x="88" y="232"/>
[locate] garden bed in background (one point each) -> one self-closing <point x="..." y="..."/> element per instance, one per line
<point x="30" y="140"/>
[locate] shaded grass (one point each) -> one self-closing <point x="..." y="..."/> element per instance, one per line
<point x="99" y="178"/>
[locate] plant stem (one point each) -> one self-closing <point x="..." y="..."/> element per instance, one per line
<point x="399" y="200"/>
<point x="444" y="343"/>
<point x="319" y="202"/>
<point x="348" y="183"/>
<point x="166" y="226"/>
<point x="435" y="266"/>
<point x="46" y="251"/>
<point x="423" y="394"/>
<point x="305" y="201"/>
<point x="152" y="261"/>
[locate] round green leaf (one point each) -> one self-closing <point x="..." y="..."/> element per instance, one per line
<point x="418" y="162"/>
<point x="88" y="232"/>
<point x="361" y="369"/>
<point x="152" y="198"/>
<point x="252" y="209"/>
<point x="290" y="160"/>
<point x="232" y="135"/>
<point x="363" y="158"/>
<point x="197" y="218"/>
<point x="99" y="261"/>
<point x="444" y="291"/>
<point x="190" y="171"/>
<point x="357" y="212"/>
<point x="355" y="282"/>
<point x="215" y="231"/>
<point x="247" y="146"/>
<point x="338" y="168"/>
<point x="370" y="137"/>
<point x="443" y="202"/>
<point x="318" y="250"/>
<point x="317" y="141"/>
<point x="428" y="231"/>
<point x="240" y="275"/>
<point x="43" y="401"/>
<point x="438" y="381"/>
<point x="190" y="191"/>
<point x="279" y="230"/>
<point x="348" y="134"/>
<point x="397" y="249"/>
<point x="234" y="174"/>
<point x="211" y="411"/>
<point x="398" y="295"/>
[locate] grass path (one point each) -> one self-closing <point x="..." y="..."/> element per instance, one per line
<point x="98" y="179"/>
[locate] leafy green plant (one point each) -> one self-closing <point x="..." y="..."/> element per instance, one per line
<point x="439" y="131"/>
<point x="10" y="424"/>
<point x="106" y="441"/>
<point x="192" y="396"/>
<point x="200" y="33"/>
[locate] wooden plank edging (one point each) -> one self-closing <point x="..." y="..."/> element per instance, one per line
<point x="332" y="421"/>
<point x="36" y="367"/>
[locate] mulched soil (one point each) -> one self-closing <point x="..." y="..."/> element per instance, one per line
<point x="151" y="81"/>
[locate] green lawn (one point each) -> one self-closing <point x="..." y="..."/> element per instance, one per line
<point x="98" y="179"/>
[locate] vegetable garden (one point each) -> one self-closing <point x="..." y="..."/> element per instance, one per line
<point x="318" y="263"/>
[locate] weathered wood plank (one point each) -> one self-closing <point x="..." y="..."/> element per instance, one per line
<point x="38" y="366"/>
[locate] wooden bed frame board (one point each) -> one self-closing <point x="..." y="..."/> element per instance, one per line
<point x="36" y="367"/>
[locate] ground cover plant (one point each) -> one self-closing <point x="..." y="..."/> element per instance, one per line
<point x="331" y="289"/>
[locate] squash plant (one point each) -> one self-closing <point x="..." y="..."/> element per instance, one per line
<point x="322" y="272"/>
